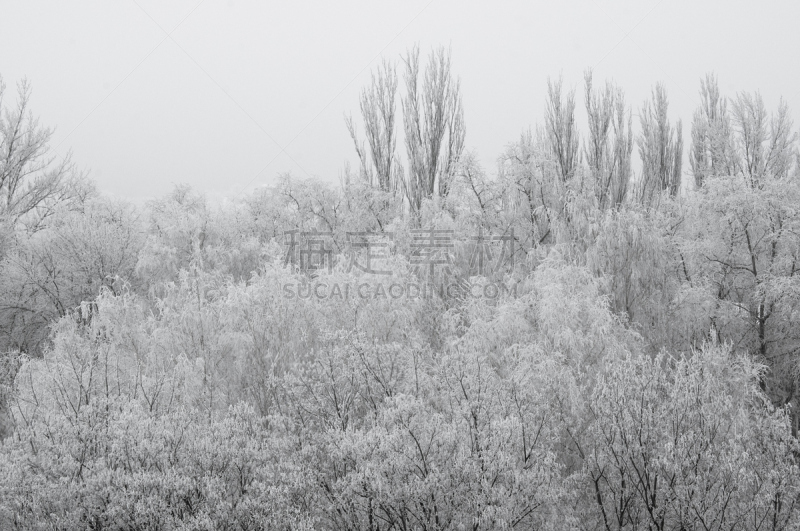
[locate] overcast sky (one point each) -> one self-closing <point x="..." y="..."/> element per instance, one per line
<point x="226" y="94"/>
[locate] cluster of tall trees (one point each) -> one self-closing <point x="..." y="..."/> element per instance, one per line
<point x="433" y="123"/>
<point x="641" y="372"/>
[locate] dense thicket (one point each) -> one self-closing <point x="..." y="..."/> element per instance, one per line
<point x="637" y="368"/>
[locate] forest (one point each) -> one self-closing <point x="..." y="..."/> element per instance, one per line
<point x="602" y="332"/>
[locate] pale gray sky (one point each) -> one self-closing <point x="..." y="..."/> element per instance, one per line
<point x="215" y="103"/>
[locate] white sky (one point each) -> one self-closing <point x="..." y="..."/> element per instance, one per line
<point x="244" y="90"/>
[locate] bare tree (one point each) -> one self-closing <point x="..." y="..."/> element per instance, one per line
<point x="434" y="127"/>
<point x="380" y="165"/>
<point x="610" y="143"/>
<point x="763" y="145"/>
<point x="32" y="180"/>
<point x="562" y="131"/>
<point x="710" y="152"/>
<point x="660" y="148"/>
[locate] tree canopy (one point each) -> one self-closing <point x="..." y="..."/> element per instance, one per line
<point x="578" y="340"/>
